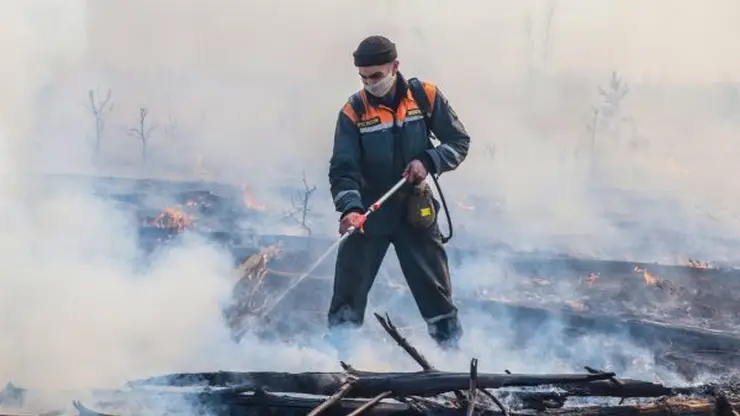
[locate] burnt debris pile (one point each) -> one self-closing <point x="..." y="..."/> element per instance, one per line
<point x="427" y="392"/>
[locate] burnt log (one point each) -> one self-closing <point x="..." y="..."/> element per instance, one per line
<point x="423" y="383"/>
<point x="601" y="388"/>
<point x="261" y="403"/>
<point x="267" y="403"/>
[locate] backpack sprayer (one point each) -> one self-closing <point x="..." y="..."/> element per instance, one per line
<point x="374" y="207"/>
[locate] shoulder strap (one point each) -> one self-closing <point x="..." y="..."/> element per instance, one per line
<point x="356" y="102"/>
<point x="422" y="100"/>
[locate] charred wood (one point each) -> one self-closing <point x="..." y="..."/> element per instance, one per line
<point x="667" y="406"/>
<point x="336" y="397"/>
<point x="424" y="383"/>
<point x="268" y="403"/>
<point x="602" y="388"/>
<point x="262" y="403"/>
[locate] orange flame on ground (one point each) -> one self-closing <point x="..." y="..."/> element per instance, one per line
<point x="698" y="264"/>
<point x="647" y="277"/>
<point x="172" y="218"/>
<point x="250" y="202"/>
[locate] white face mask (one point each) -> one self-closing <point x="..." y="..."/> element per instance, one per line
<point x="383" y="86"/>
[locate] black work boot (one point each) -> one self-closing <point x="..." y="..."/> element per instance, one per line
<point x="447" y="333"/>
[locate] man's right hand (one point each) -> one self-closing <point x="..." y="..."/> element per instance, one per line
<point x="352" y="219"/>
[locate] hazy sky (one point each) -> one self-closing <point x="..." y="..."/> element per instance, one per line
<point x="671" y="41"/>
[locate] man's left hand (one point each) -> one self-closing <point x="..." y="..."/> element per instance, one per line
<point x="415" y="172"/>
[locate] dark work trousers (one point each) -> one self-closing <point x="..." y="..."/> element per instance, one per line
<point x="423" y="261"/>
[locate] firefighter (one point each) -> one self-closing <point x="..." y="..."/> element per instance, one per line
<point x="381" y="135"/>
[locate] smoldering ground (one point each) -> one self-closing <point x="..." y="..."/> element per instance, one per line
<point x="249" y="93"/>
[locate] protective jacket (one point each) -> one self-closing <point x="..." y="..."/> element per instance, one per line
<point x="371" y="150"/>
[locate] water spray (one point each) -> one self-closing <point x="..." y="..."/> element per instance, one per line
<point x="351" y="230"/>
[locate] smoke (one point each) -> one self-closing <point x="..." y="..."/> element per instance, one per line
<point x="238" y="99"/>
<point x="248" y="93"/>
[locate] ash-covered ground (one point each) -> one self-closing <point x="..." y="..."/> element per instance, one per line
<point x="695" y="294"/>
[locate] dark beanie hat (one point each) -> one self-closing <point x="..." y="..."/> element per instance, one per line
<point x="375" y="50"/>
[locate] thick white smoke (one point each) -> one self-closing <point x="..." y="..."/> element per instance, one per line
<point x="254" y="89"/>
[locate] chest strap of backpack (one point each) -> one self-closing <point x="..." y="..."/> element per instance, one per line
<point x="356" y="102"/>
<point x="420" y="96"/>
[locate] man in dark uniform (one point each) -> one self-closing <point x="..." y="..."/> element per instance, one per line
<point x="381" y="135"/>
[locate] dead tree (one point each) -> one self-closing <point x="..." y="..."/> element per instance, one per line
<point x="301" y="203"/>
<point x="612" y="97"/>
<point x="605" y="116"/>
<point x="100" y="109"/>
<point x="143" y="132"/>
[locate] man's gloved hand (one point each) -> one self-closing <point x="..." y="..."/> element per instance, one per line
<point x="415" y="172"/>
<point x="352" y="219"/>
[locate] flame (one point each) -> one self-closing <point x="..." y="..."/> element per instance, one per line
<point x="172" y="218"/>
<point x="698" y="264"/>
<point x="647" y="277"/>
<point x="250" y="202"/>
<point x="592" y="278"/>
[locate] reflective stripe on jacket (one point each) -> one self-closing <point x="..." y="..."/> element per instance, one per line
<point x="371" y="150"/>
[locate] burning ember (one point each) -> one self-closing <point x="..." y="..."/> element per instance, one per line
<point x="650" y="280"/>
<point x="172" y="218"/>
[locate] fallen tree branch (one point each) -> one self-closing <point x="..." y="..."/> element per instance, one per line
<point x="391" y="329"/>
<point x="334" y="398"/>
<point x="403" y="343"/>
<point x="370" y="403"/>
<point x="254" y="405"/>
<point x="473" y="386"/>
<point x="424" y="383"/>
<point x="603" y="387"/>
